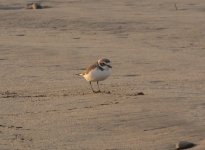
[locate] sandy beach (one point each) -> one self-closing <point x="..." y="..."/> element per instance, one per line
<point x="156" y="47"/>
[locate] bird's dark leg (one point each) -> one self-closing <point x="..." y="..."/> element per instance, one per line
<point x="98" y="87"/>
<point x="91" y="87"/>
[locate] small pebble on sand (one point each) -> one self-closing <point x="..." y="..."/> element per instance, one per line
<point x="140" y="93"/>
<point x="184" y="145"/>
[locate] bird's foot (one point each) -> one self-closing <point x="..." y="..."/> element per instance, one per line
<point x="97" y="91"/>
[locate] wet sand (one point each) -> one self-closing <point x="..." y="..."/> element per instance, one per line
<point x="156" y="47"/>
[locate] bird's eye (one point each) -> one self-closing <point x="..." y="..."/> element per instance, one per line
<point x="102" y="64"/>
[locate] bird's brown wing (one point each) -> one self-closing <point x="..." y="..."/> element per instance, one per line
<point x="91" y="67"/>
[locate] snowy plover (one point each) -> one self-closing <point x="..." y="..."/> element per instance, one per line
<point x="98" y="71"/>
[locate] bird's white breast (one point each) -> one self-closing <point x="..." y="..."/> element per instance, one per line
<point x="97" y="74"/>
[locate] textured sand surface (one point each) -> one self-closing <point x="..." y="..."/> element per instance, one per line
<point x="154" y="48"/>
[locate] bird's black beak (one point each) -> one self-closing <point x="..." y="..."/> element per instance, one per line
<point x="109" y="66"/>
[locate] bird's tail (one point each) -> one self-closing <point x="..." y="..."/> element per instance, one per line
<point x="79" y="74"/>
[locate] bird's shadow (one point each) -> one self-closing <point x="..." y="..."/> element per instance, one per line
<point x="102" y="92"/>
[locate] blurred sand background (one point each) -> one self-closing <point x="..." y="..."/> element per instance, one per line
<point x="154" y="48"/>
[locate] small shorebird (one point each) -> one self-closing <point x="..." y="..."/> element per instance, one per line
<point x="98" y="71"/>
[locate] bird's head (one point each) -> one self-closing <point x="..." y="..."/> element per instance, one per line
<point x="105" y="63"/>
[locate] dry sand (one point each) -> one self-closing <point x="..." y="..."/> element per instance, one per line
<point x="154" y="49"/>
